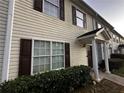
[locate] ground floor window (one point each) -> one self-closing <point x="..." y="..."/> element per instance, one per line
<point x="47" y="55"/>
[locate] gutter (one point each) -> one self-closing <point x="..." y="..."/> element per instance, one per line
<point x="8" y="39"/>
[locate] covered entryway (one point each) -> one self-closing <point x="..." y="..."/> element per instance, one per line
<point x="96" y="38"/>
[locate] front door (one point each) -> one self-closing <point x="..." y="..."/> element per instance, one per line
<point x="89" y="55"/>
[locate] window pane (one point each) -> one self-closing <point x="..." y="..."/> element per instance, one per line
<point x="35" y="69"/>
<point x="47" y="45"/>
<point x="47" y="60"/>
<point x="55" y="2"/>
<point x="54" y="65"/>
<point x="45" y="63"/>
<point x="57" y="62"/>
<point x="47" y="67"/>
<point x="79" y="14"/>
<point x="79" y="22"/>
<point x="42" y="44"/>
<point x="61" y="59"/>
<point x="61" y="64"/>
<point x="36" y="44"/>
<point x="42" y="61"/>
<point x="51" y="9"/>
<point x="55" y="59"/>
<point x="36" y="61"/>
<point x="36" y="52"/>
<point x="47" y="52"/>
<point x="41" y="67"/>
<point x="99" y="25"/>
<point x="57" y="48"/>
<point x="42" y="52"/>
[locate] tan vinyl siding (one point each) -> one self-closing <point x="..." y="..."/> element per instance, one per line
<point x="3" y="22"/>
<point x="100" y="36"/>
<point x="31" y="24"/>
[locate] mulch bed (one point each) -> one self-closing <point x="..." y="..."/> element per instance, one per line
<point x="105" y="86"/>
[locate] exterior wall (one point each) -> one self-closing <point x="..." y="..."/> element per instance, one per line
<point x="68" y="15"/>
<point x="114" y="43"/>
<point x="3" y="22"/>
<point x="31" y="24"/>
<point x="100" y="36"/>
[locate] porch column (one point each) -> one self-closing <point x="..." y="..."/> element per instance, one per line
<point x="106" y="57"/>
<point x="95" y="60"/>
<point x="102" y="49"/>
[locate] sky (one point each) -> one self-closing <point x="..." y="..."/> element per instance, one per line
<point x="111" y="10"/>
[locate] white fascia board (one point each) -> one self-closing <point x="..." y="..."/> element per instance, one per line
<point x="100" y="31"/>
<point x="88" y="36"/>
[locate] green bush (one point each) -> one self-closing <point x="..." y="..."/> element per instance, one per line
<point x="115" y="63"/>
<point x="59" y="81"/>
<point x="121" y="56"/>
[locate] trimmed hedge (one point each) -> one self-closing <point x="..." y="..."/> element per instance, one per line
<point x="121" y="56"/>
<point x="115" y="63"/>
<point x="59" y="81"/>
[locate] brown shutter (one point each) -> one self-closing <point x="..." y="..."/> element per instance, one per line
<point x="25" y="57"/>
<point x="74" y="15"/>
<point x="62" y="10"/>
<point x="85" y="20"/>
<point x="67" y="55"/>
<point x="96" y="24"/>
<point x="38" y="4"/>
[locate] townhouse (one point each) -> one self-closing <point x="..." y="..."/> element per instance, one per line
<point x="42" y="35"/>
<point x="116" y="41"/>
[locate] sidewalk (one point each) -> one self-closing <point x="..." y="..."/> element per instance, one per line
<point x="114" y="78"/>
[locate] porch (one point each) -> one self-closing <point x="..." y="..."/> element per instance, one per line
<point x="99" y="37"/>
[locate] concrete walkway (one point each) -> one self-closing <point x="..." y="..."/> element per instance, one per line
<point x="114" y="78"/>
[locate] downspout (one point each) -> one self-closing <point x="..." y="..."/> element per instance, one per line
<point x="8" y="39"/>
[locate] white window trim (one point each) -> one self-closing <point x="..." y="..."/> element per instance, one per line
<point x="32" y="54"/>
<point x="54" y="5"/>
<point x="83" y="20"/>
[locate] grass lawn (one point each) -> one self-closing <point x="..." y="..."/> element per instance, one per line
<point x="105" y="86"/>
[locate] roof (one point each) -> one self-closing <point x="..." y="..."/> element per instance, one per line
<point x="90" y="33"/>
<point x="91" y="11"/>
<point x="115" y="32"/>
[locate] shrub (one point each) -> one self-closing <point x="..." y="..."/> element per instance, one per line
<point x="121" y="56"/>
<point x="115" y="63"/>
<point x="59" y="81"/>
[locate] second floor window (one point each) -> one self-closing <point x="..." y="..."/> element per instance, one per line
<point x="52" y="7"/>
<point x="99" y="25"/>
<point x="78" y="17"/>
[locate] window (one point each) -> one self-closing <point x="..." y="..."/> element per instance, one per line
<point x="114" y="38"/>
<point x="57" y="55"/>
<point x="52" y="8"/>
<point x="80" y="19"/>
<point x="99" y="25"/>
<point x="47" y="56"/>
